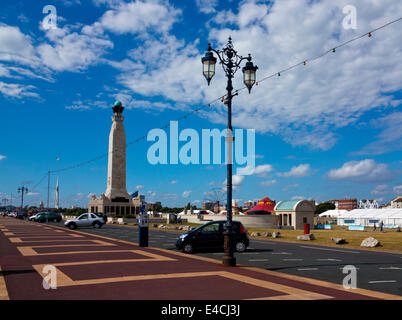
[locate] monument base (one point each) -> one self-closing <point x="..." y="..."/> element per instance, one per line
<point x="115" y="207"/>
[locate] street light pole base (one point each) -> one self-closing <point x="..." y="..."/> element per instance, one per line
<point x="229" y="261"/>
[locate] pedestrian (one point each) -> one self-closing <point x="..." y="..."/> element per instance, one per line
<point x="375" y="227"/>
<point x="382" y="226"/>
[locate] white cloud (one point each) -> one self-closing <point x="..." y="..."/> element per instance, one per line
<point x="307" y="106"/>
<point x="298" y="198"/>
<point x="268" y="183"/>
<point x="137" y="17"/>
<point x="15" y="46"/>
<point x="207" y="6"/>
<point x="33" y="194"/>
<point x="173" y="182"/>
<point x="299" y="171"/>
<point x="186" y="194"/>
<point x="139" y="187"/>
<point x="362" y="171"/>
<point x="237" y="180"/>
<point x="15" y="90"/>
<point x="398" y="190"/>
<point x="389" y="139"/>
<point x="262" y="169"/>
<point x="380" y="189"/>
<point x="290" y="186"/>
<point x="72" y="51"/>
<point x="2" y="157"/>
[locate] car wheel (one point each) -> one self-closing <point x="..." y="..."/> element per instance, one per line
<point x="72" y="226"/>
<point x="188" y="248"/>
<point x="97" y="225"/>
<point x="240" y="246"/>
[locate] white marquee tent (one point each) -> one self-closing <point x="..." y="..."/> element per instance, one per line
<point x="391" y="218"/>
<point x="332" y="213"/>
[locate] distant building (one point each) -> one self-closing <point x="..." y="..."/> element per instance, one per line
<point x="209" y="205"/>
<point x="249" y="204"/>
<point x="344" y="204"/>
<point x="368" y="204"/>
<point x="396" y="203"/>
<point x="295" y="213"/>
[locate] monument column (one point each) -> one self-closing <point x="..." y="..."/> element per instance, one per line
<point x="116" y="175"/>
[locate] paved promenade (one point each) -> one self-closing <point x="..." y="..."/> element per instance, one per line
<point x="95" y="267"/>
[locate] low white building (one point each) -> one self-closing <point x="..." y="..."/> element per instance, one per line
<point x="368" y="217"/>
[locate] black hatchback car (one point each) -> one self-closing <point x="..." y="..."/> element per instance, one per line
<point x="210" y="236"/>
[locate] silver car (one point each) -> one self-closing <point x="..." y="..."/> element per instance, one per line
<point x="85" y="220"/>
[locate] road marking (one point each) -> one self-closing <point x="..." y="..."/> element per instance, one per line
<point x="281" y="253"/>
<point x="251" y="253"/>
<point x="217" y="253"/>
<point x="328" y="260"/>
<point x="3" y="288"/>
<point x="383" y="281"/>
<point x="391" y="268"/>
<point x="307" y="269"/>
<point x="257" y="260"/>
<point x="329" y="249"/>
<point x="292" y="259"/>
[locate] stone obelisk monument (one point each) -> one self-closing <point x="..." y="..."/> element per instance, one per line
<point x="116" y="172"/>
<point x="116" y="200"/>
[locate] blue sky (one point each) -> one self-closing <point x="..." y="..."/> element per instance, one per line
<point x="331" y="129"/>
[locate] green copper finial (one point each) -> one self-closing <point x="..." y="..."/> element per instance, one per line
<point x="118" y="107"/>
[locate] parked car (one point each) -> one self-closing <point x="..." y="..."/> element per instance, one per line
<point x="47" y="216"/>
<point x="21" y="215"/>
<point x="85" y="220"/>
<point x="31" y="218"/>
<point x="102" y="215"/>
<point x="210" y="236"/>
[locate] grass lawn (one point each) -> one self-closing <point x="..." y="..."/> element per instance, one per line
<point x="390" y="239"/>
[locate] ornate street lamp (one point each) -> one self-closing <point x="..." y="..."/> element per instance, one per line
<point x="22" y="191"/>
<point x="208" y="63"/>
<point x="230" y="61"/>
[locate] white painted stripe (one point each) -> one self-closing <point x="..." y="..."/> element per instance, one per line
<point x="391" y="268"/>
<point x="328" y="260"/>
<point x="281" y="253"/>
<point x="292" y="259"/>
<point x="257" y="260"/>
<point x="307" y="269"/>
<point x="329" y="249"/>
<point x="251" y="253"/>
<point x="383" y="281"/>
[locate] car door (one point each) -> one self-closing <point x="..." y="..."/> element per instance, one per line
<point x="83" y="220"/>
<point x="208" y="236"/>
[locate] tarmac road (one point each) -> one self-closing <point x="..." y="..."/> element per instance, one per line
<point x="378" y="271"/>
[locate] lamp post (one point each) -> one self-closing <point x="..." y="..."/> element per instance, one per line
<point x="22" y="190"/>
<point x="230" y="61"/>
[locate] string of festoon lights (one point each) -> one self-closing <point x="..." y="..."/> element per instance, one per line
<point x="222" y="98"/>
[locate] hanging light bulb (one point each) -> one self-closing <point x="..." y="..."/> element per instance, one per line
<point x="279" y="74"/>
<point x="369" y="34"/>
<point x="305" y="63"/>
<point x="333" y="50"/>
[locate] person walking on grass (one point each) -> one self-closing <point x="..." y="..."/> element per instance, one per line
<point x="375" y="227"/>
<point x="382" y="226"/>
